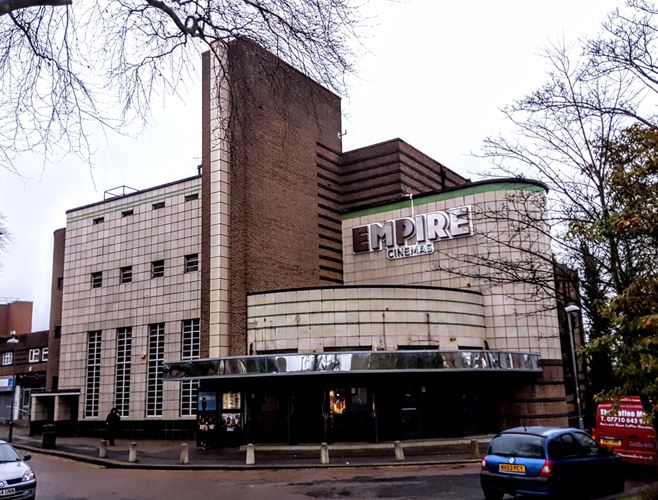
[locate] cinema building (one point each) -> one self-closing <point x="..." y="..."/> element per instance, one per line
<point x="294" y="292"/>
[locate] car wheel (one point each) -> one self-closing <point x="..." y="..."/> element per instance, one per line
<point x="493" y="494"/>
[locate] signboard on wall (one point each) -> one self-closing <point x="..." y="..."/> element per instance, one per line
<point x="412" y="236"/>
<point x="6" y="383"/>
<point x="207" y="401"/>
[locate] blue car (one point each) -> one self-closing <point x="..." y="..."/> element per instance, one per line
<point x="550" y="462"/>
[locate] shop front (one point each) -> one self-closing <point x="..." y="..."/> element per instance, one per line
<point x="357" y="396"/>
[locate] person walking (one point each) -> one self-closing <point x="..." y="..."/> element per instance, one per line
<point x="112" y="425"/>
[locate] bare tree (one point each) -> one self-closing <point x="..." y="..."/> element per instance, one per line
<point x="4" y="236"/>
<point x="628" y="45"/>
<point x="559" y="133"/>
<point x="66" y="66"/>
<point x="557" y="136"/>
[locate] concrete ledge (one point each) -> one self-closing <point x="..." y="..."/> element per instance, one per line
<point x="432" y="443"/>
<point x="116" y="464"/>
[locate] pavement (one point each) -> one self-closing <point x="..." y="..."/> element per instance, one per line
<point x="166" y="454"/>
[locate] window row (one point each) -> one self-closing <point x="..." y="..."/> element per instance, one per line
<point x="190" y="349"/>
<point x="155" y="206"/>
<point x="35" y="355"/>
<point x="190" y="264"/>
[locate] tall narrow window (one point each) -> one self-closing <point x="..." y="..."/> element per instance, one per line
<point x="97" y="279"/>
<point x="157" y="269"/>
<point x="190" y="349"/>
<point x="122" y="378"/>
<point x="154" y="381"/>
<point x="93" y="373"/>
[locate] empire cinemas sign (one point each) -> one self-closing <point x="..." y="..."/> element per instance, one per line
<point x="411" y="237"/>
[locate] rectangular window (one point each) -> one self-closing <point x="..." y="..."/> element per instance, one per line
<point x="93" y="373"/>
<point x="44" y="354"/>
<point x="127" y="213"/>
<point x="122" y="378"/>
<point x="190" y="339"/>
<point x="97" y="279"/>
<point x="60" y="283"/>
<point x="154" y="380"/>
<point x="58" y="331"/>
<point x="34" y="355"/>
<point x="192" y="197"/>
<point x="7" y="358"/>
<point x="158" y="205"/>
<point x="99" y="220"/>
<point x="188" y="396"/>
<point x="126" y="274"/>
<point x="190" y="349"/>
<point x="157" y="269"/>
<point x="191" y="262"/>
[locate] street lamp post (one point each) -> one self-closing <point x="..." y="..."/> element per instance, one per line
<point x="13" y="340"/>
<point x="570" y="309"/>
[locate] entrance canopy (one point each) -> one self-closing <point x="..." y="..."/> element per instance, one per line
<point x="353" y="362"/>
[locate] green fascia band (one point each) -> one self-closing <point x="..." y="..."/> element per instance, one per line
<point x="457" y="193"/>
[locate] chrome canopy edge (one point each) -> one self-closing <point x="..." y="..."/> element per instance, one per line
<point x="353" y="362"/>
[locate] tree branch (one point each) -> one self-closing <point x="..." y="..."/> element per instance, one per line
<point x="8" y="6"/>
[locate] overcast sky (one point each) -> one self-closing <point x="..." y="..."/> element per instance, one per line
<point x="434" y="74"/>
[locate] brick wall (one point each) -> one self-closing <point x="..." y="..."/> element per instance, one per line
<point x="56" y="289"/>
<point x="277" y="118"/>
<point x="16" y="316"/>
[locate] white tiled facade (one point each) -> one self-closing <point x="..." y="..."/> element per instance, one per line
<point x="376" y="318"/>
<point x="220" y="208"/>
<point x="506" y="218"/>
<point x="104" y="238"/>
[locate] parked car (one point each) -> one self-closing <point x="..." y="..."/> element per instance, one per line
<point x="17" y="481"/>
<point x="551" y="462"/>
<point x="627" y="431"/>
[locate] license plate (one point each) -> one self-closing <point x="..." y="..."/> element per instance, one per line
<point x="511" y="468"/>
<point x="610" y="442"/>
<point x="7" y="491"/>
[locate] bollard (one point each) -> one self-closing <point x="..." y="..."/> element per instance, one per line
<point x="102" y="451"/>
<point x="324" y="453"/>
<point x="399" y="452"/>
<point x="184" y="454"/>
<point x="251" y="455"/>
<point x="475" y="448"/>
<point x="132" y="452"/>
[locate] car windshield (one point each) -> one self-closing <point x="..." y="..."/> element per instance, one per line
<point x="7" y="453"/>
<point x="518" y="445"/>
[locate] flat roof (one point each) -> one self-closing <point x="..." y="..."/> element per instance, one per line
<point x="134" y="193"/>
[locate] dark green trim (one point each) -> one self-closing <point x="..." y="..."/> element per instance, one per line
<point x="448" y="194"/>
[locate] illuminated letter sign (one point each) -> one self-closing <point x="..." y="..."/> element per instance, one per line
<point x="411" y="237"/>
